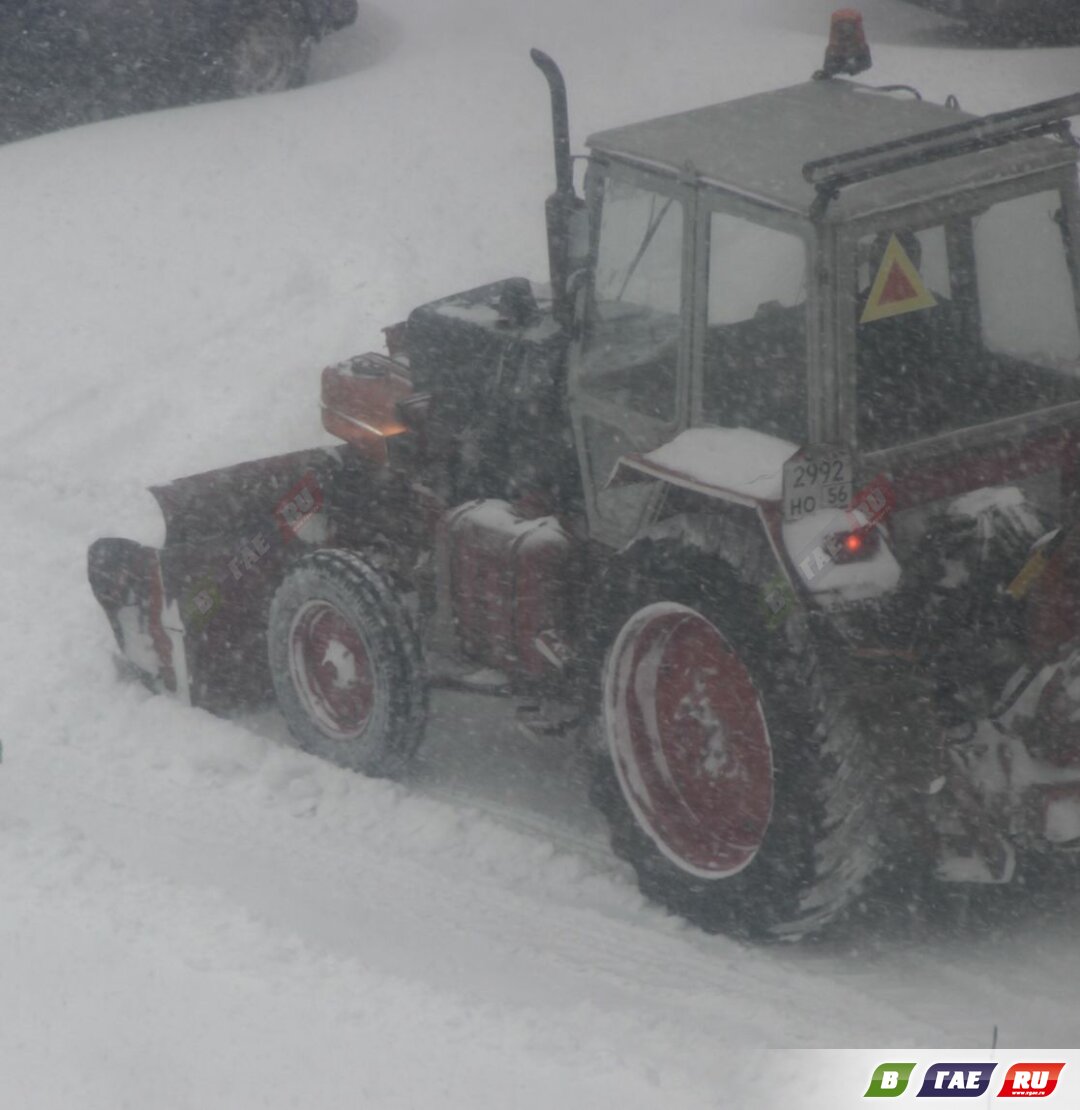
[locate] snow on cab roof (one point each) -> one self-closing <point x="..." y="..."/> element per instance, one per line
<point x="757" y="146"/>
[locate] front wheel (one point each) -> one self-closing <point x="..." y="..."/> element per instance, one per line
<point x="745" y="798"/>
<point x="346" y="664"/>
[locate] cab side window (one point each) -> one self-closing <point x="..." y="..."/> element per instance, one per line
<point x="755" y="343"/>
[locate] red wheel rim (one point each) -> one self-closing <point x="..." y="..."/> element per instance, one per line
<point x="689" y="740"/>
<point x="331" y="670"/>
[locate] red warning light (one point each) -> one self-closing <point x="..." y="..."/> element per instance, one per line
<point x="847" y="51"/>
<point x="852" y="547"/>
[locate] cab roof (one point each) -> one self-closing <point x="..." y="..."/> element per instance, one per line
<point x="756" y="146"/>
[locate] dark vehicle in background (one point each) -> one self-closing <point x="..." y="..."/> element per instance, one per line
<point x="1022" y="21"/>
<point x="65" y="62"/>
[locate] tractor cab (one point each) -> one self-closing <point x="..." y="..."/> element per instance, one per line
<point x="824" y="264"/>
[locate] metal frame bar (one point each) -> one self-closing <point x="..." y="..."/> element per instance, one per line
<point x="1048" y="117"/>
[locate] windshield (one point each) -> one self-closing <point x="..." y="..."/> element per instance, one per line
<point x="639" y="261"/>
<point x="965" y="322"/>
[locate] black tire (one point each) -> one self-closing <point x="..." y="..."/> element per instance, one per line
<point x="366" y="707"/>
<point x="822" y="842"/>
<point x="271" y="54"/>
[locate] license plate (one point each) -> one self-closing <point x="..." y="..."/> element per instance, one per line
<point x="821" y="479"/>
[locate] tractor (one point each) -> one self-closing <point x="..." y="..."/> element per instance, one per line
<point x="768" y="498"/>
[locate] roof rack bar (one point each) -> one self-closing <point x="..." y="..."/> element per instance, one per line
<point x="1049" y="117"/>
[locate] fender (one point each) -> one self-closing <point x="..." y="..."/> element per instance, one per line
<point x="752" y="468"/>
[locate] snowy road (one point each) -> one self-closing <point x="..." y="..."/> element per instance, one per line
<point x="194" y="914"/>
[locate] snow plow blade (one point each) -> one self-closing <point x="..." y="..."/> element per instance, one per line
<point x="190" y="617"/>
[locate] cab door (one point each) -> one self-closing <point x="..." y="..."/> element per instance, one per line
<point x="628" y="369"/>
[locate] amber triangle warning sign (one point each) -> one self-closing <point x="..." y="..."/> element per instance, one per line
<point x="897" y="288"/>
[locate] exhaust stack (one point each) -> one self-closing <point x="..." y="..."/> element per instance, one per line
<point x="564" y="209"/>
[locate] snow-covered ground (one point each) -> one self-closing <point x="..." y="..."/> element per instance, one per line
<point x="193" y="914"/>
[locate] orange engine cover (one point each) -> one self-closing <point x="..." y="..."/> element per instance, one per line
<point x="508" y="584"/>
<point x="359" y="402"/>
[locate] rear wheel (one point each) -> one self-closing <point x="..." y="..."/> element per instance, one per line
<point x="346" y="664"/>
<point x="745" y="799"/>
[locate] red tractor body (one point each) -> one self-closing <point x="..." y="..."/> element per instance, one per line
<point x="771" y="495"/>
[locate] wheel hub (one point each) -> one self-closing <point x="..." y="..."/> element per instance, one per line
<point x="696" y="711"/>
<point x="688" y="737"/>
<point x="331" y="670"/>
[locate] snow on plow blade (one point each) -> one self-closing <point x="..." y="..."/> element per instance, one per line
<point x="126" y="579"/>
<point x="191" y="616"/>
